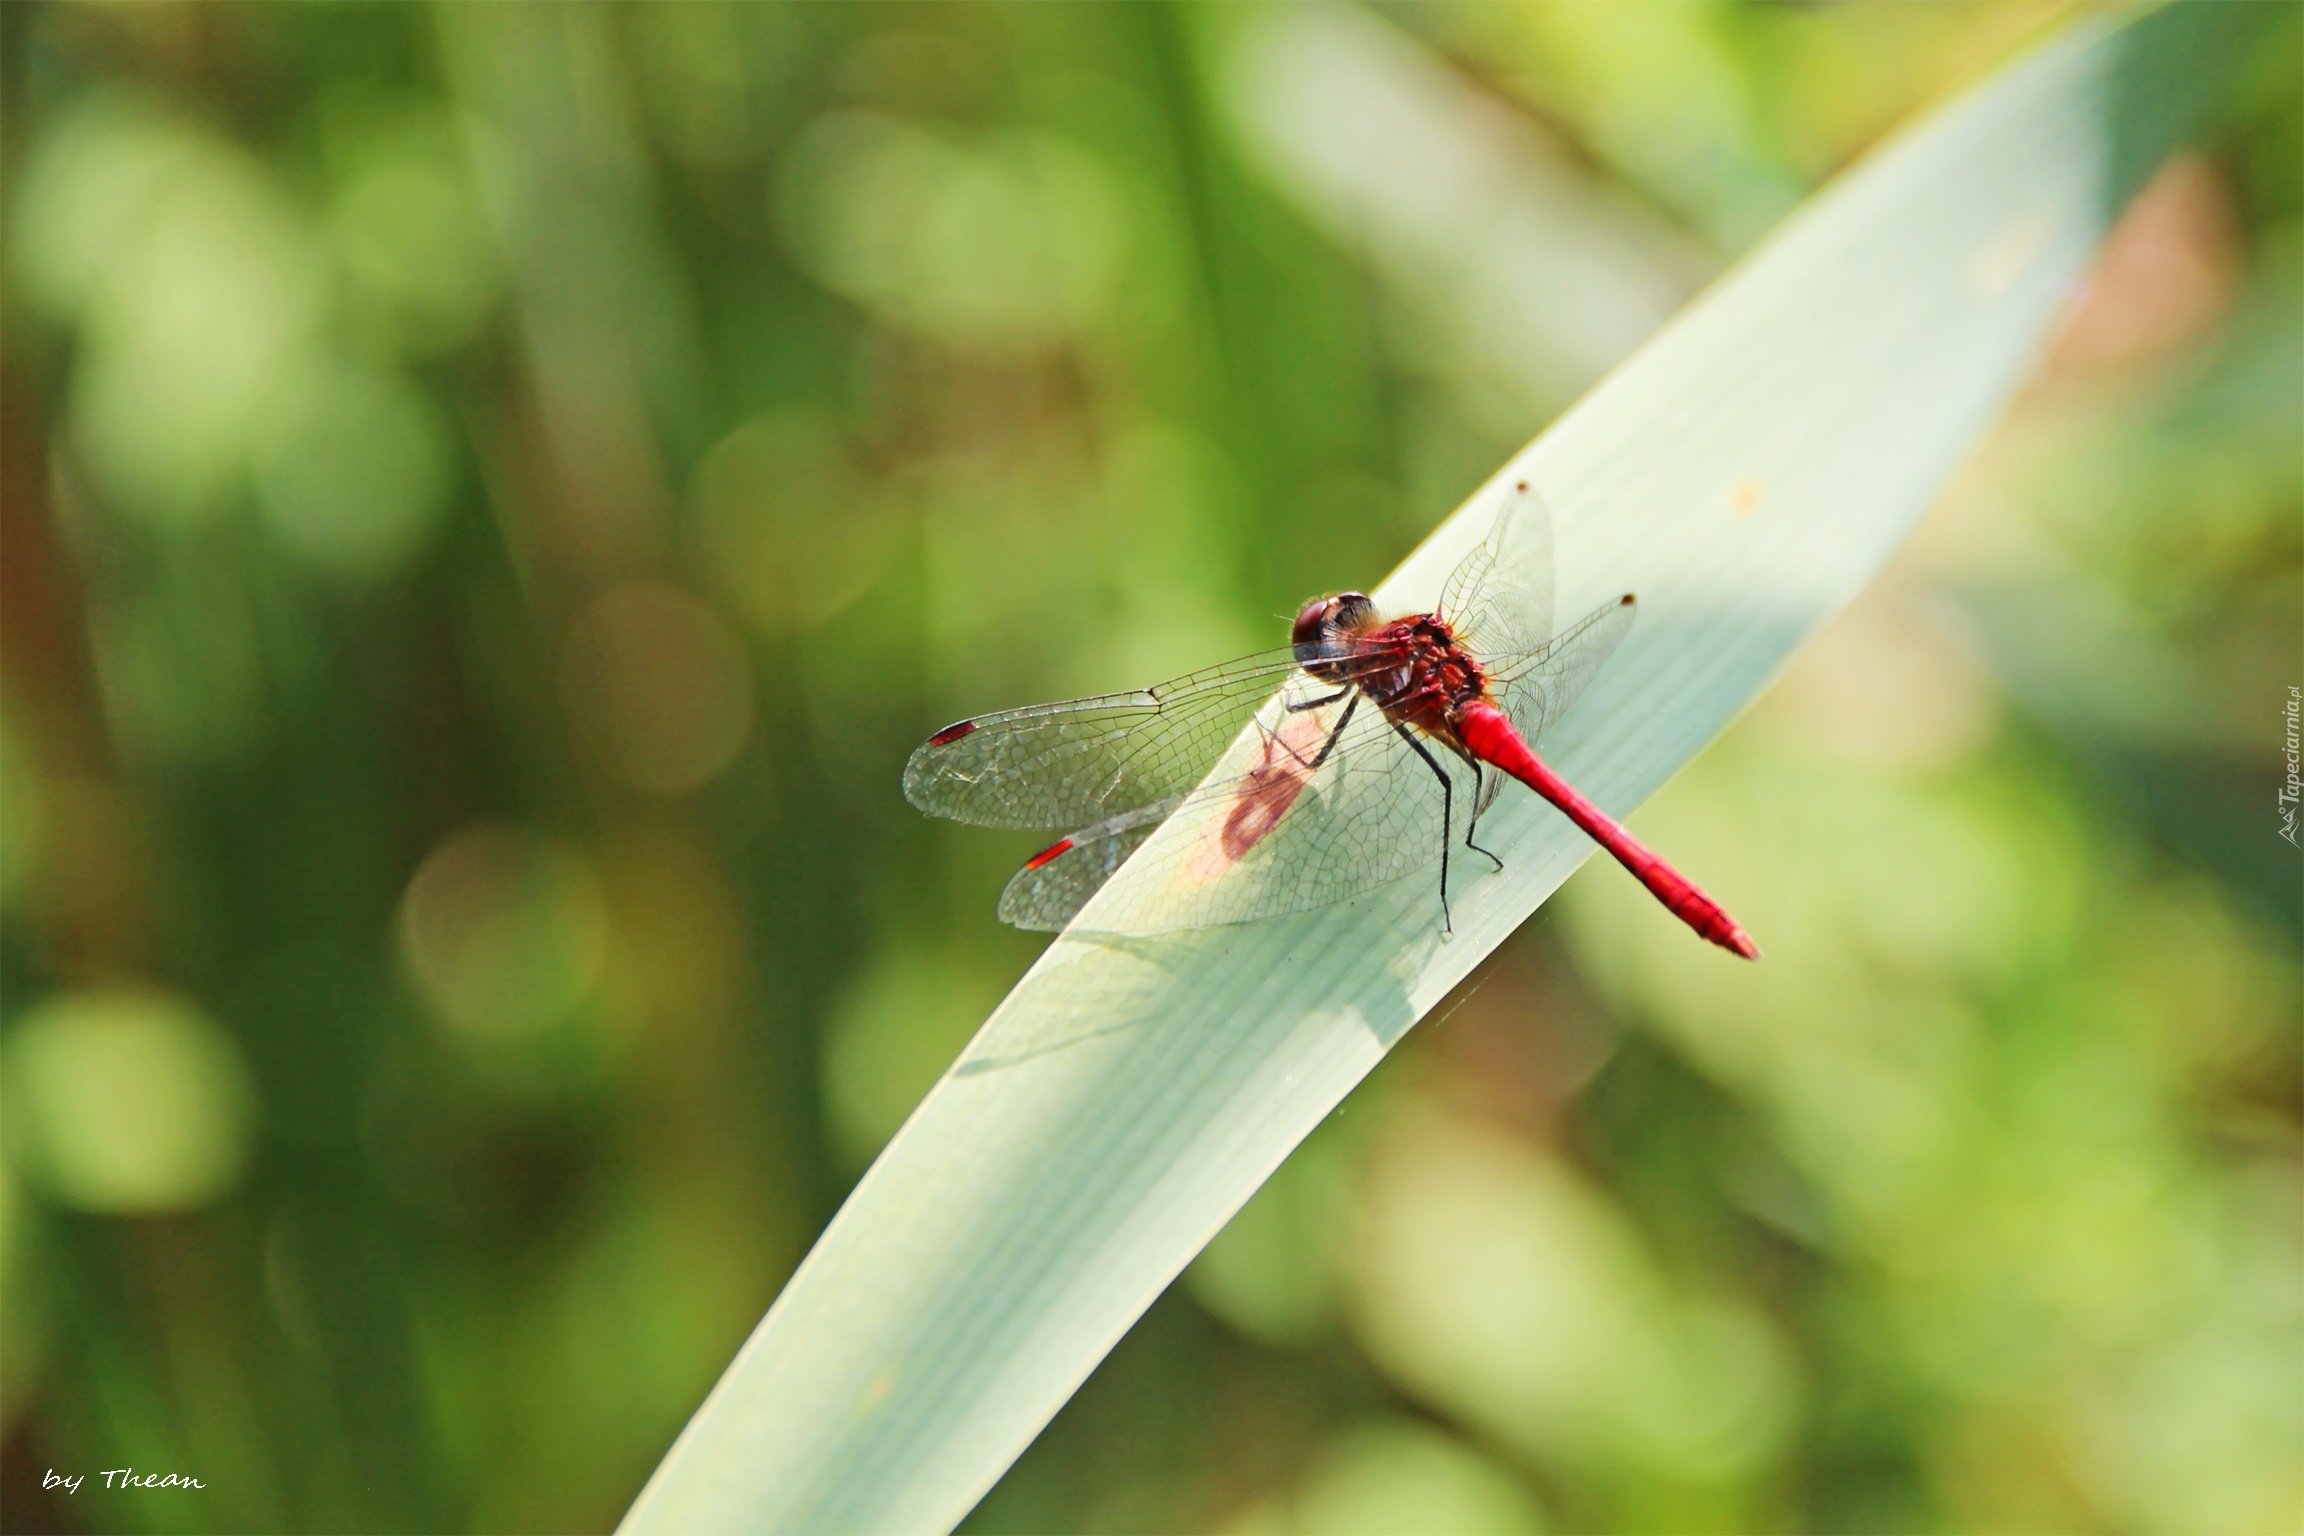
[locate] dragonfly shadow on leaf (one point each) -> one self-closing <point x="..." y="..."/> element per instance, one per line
<point x="1071" y="999"/>
<point x="1107" y="985"/>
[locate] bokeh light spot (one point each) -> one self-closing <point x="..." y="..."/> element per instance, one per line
<point x="2167" y="271"/>
<point x="900" y="1025"/>
<point x="1399" y="1476"/>
<point x="88" y="185"/>
<point x="1016" y="240"/>
<point x="195" y="286"/>
<point x="659" y="683"/>
<point x="506" y="931"/>
<point x="786" y="524"/>
<point x="354" y="470"/>
<point x="408" y="228"/>
<point x="1496" y="1283"/>
<point x="1271" y="1273"/>
<point x="1887" y="688"/>
<point x="127" y="1102"/>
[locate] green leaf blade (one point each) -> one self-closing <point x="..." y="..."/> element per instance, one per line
<point x="1746" y="473"/>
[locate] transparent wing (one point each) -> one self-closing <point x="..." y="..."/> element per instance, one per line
<point x="1317" y="798"/>
<point x="1536" y="689"/>
<point x="1271" y="833"/>
<point x="1083" y="761"/>
<point x="1309" y="807"/>
<point x="1498" y="600"/>
<point x="1045" y="894"/>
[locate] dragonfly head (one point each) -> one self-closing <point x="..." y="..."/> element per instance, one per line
<point x="1327" y="626"/>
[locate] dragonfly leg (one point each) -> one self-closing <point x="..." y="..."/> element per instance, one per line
<point x="1447" y="816"/>
<point x="1297" y="709"/>
<point x="1474" y="825"/>
<point x="1337" y="734"/>
<point x="1273" y="738"/>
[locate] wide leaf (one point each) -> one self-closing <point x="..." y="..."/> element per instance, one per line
<point x="1745" y="473"/>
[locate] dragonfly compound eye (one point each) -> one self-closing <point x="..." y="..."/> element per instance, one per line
<point x="1326" y="626"/>
<point x="1311" y="632"/>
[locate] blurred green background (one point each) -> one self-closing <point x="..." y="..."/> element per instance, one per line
<point x="493" y="492"/>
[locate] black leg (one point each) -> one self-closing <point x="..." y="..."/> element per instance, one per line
<point x="1447" y="816"/>
<point x="1342" y="721"/>
<point x="1334" y="735"/>
<point x="1297" y="709"/>
<point x="1474" y="825"/>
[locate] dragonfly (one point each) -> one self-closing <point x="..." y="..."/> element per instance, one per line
<point x="1306" y="775"/>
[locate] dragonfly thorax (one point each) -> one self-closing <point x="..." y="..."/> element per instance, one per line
<point x="1417" y="672"/>
<point x="1414" y="669"/>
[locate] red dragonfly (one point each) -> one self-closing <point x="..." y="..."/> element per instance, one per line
<point x="1336" y="759"/>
